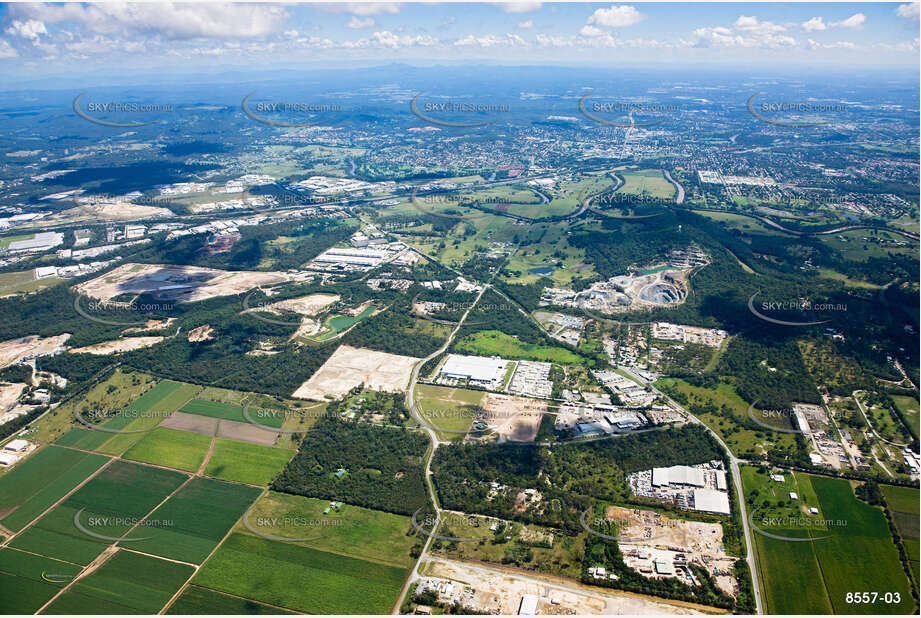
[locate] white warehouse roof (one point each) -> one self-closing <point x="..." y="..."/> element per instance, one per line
<point x="678" y="475"/>
<point x="711" y="501"/>
<point x="479" y="368"/>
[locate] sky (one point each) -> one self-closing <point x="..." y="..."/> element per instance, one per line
<point x="44" y="39"/>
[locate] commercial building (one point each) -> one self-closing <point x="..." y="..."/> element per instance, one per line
<point x="42" y="241"/>
<point x="711" y="501"/>
<point x="678" y="475"/>
<point x="481" y="370"/>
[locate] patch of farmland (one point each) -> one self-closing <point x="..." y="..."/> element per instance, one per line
<point x="348" y="530"/>
<point x="40" y="481"/>
<point x="202" y="602"/>
<point x="106" y="505"/>
<point x="28" y="581"/>
<point x="349" y="367"/>
<point x="127" y="583"/>
<point x="192" y="522"/>
<point x="214" y="409"/>
<point x="243" y="462"/>
<point x="274" y="572"/>
<point x="171" y="448"/>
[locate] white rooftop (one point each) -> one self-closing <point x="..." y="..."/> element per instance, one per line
<point x="678" y="475"/>
<point x="480" y="368"/>
<point x="711" y="501"/>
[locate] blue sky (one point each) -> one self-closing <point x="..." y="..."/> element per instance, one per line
<point x="44" y="39"/>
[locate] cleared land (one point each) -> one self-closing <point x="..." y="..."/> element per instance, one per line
<point x="179" y="283"/>
<point x="40" y="481"/>
<point x="127" y="583"/>
<point x="253" y="464"/>
<point x="449" y="409"/>
<point x="908" y="406"/>
<point x="192" y="522"/>
<point x="106" y="505"/>
<point x="275" y="572"/>
<point x="349" y="367"/>
<point x="516" y="419"/>
<point x="496" y="343"/>
<point x="24" y="281"/>
<point x="168" y="447"/>
<point x="647" y="182"/>
<point x="117" y="345"/>
<point x="14" y="350"/>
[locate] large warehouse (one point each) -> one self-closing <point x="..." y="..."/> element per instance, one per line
<point x="711" y="501"/>
<point x="678" y="475"/>
<point x="476" y="369"/>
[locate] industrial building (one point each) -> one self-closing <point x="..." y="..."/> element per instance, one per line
<point x="42" y="241"/>
<point x="678" y="475"/>
<point x="480" y="370"/>
<point x="711" y="501"/>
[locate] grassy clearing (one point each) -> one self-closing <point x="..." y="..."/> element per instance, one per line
<point x="276" y="572"/>
<point x="197" y="601"/>
<point x="350" y="531"/>
<point x="451" y="409"/>
<point x="647" y="182"/>
<point x="496" y="343"/>
<point x="127" y="583"/>
<point x="908" y="406"/>
<point x="191" y="523"/>
<point x="107" y="506"/>
<point x="172" y="448"/>
<point x="24" y="281"/>
<point x="41" y="480"/>
<point x="214" y="409"/>
<point x="244" y="462"/>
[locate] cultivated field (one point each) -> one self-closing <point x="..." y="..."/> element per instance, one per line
<point x="243" y="462"/>
<point x="349" y="367"/>
<point x="904" y="507"/>
<point x="40" y="481"/>
<point x="28" y="581"/>
<point x="171" y="448"/>
<point x="106" y="504"/>
<point x="198" y="601"/>
<point x="192" y="522"/>
<point x="127" y="583"/>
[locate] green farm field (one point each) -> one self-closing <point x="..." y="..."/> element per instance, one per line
<point x="908" y="406"/>
<point x="41" y="480"/>
<point x="496" y="343"/>
<point x="244" y="462"/>
<point x="274" y="572"/>
<point x="127" y="583"/>
<point x="204" y="602"/>
<point x="903" y="503"/>
<point x="647" y="182"/>
<point x="233" y="412"/>
<point x="105" y="506"/>
<point x="28" y="581"/>
<point x="192" y="522"/>
<point x="352" y="531"/>
<point x="172" y="448"/>
<point x="845" y="537"/>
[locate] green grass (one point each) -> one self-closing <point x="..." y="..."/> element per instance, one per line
<point x="496" y="343"/>
<point x="107" y="506"/>
<point x="23" y="589"/>
<point x="338" y="323"/>
<point x="204" y="602"/>
<point x="814" y="576"/>
<point x="908" y="406"/>
<point x="171" y="448"/>
<point x="351" y="531"/>
<point x="903" y="505"/>
<point x="41" y="480"/>
<point x="192" y="522"/>
<point x="24" y="281"/>
<point x="451" y="409"/>
<point x="648" y="182"/>
<point x="214" y="409"/>
<point x="301" y="578"/>
<point x="254" y="464"/>
<point x="127" y="583"/>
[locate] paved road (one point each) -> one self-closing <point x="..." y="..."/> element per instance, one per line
<point x="737" y="480"/>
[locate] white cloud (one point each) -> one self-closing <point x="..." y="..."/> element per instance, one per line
<point x="721" y="36"/>
<point x="6" y="50"/>
<point x="591" y="31"/>
<point x="912" y="10"/>
<point x="29" y="29"/>
<point x="615" y="17"/>
<point x="854" y="21"/>
<point x="814" y="24"/>
<point x="366" y="8"/>
<point x="169" y="20"/>
<point x="833" y="45"/>
<point x="751" y="24"/>
<point x="357" y="23"/>
<point x="388" y="39"/>
<point x="526" y="24"/>
<point x="490" y="40"/>
<point x="520" y="7"/>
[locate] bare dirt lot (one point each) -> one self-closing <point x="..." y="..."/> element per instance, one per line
<point x="305" y="305"/>
<point x="516" y="419"/>
<point x="176" y="283"/>
<point x="117" y="345"/>
<point x="195" y="423"/>
<point x="653" y="535"/>
<point x="246" y="432"/>
<point x="120" y="211"/>
<point x="502" y="590"/>
<point x="9" y="395"/>
<point x="349" y="367"/>
<point x="31" y="346"/>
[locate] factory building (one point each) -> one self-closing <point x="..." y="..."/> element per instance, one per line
<point x="476" y="369"/>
